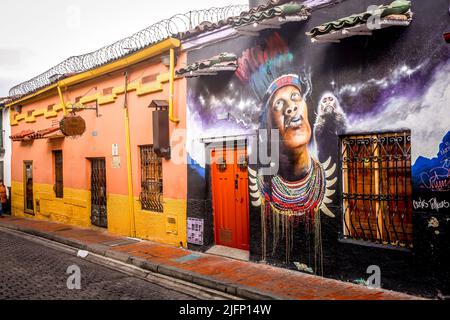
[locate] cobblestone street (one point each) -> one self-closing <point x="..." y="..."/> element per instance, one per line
<point x="33" y="271"/>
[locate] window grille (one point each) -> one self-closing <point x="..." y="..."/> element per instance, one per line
<point x="2" y="171"/>
<point x="377" y="195"/>
<point x="99" y="214"/>
<point x="59" y="186"/>
<point x="151" y="180"/>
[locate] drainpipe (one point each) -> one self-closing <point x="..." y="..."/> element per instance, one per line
<point x="172" y="86"/>
<point x="61" y="98"/>
<point x="129" y="167"/>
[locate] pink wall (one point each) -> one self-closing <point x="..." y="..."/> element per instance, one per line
<point x="109" y="129"/>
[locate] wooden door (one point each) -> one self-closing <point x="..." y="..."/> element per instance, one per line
<point x="28" y="187"/>
<point x="230" y="197"/>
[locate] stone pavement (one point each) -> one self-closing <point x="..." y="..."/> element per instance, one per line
<point x="244" y="279"/>
<point x="33" y="271"/>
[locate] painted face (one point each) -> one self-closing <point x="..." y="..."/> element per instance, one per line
<point x="289" y="114"/>
<point x="328" y="104"/>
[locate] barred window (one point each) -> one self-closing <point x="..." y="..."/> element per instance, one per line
<point x="377" y="195"/>
<point x="2" y="170"/>
<point x="151" y="180"/>
<point x="59" y="186"/>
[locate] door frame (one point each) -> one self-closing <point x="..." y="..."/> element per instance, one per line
<point x="234" y="143"/>
<point x="24" y="171"/>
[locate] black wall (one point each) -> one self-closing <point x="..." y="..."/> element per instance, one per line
<point x="421" y="270"/>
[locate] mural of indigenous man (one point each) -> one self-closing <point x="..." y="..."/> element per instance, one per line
<point x="301" y="189"/>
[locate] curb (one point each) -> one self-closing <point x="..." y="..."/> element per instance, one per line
<point x="102" y="250"/>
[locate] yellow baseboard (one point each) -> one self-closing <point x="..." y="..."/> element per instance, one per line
<point x="168" y="227"/>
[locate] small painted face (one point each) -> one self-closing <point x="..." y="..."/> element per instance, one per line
<point x="289" y="114"/>
<point x="328" y="104"/>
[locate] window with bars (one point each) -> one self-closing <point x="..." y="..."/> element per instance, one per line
<point x="59" y="186"/>
<point x="377" y="195"/>
<point x="2" y="171"/>
<point x="151" y="180"/>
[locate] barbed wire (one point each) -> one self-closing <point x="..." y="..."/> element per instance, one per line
<point x="172" y="27"/>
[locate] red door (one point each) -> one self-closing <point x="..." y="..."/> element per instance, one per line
<point x="230" y="197"/>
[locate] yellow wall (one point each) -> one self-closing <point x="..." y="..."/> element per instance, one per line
<point x="75" y="210"/>
<point x="157" y="226"/>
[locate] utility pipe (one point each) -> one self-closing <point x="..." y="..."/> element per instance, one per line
<point x="129" y="166"/>
<point x="61" y="98"/>
<point x="172" y="86"/>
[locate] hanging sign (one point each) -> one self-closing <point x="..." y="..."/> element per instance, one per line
<point x="72" y="126"/>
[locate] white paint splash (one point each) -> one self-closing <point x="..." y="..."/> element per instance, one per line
<point x="82" y="254"/>
<point x="428" y="116"/>
<point x="238" y="122"/>
<point x="396" y="75"/>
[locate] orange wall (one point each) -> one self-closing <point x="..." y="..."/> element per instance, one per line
<point x="174" y="175"/>
<point x="110" y="130"/>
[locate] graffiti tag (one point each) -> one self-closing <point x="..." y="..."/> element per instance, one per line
<point x="432" y="204"/>
<point x="437" y="179"/>
<point x="445" y="150"/>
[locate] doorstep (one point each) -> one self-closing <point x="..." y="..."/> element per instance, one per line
<point x="229" y="253"/>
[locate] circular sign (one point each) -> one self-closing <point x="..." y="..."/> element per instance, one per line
<point x="72" y="126"/>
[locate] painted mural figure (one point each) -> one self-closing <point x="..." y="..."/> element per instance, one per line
<point x="294" y="198"/>
<point x="330" y="122"/>
<point x="301" y="190"/>
<point x="300" y="187"/>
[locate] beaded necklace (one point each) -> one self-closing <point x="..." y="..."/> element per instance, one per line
<point x="298" y="197"/>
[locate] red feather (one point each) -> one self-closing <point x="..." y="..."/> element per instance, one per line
<point x="253" y="58"/>
<point x="447" y="37"/>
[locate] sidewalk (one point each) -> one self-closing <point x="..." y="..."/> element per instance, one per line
<point x="244" y="279"/>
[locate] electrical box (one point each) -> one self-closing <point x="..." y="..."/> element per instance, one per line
<point x="161" y="141"/>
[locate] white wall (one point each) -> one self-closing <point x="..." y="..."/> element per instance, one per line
<point x="6" y="158"/>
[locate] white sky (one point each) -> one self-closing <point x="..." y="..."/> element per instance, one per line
<point x="36" y="35"/>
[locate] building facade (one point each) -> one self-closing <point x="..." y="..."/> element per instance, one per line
<point x="352" y="177"/>
<point x="307" y="135"/>
<point x="115" y="175"/>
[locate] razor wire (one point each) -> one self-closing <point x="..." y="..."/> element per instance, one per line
<point x="172" y="27"/>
